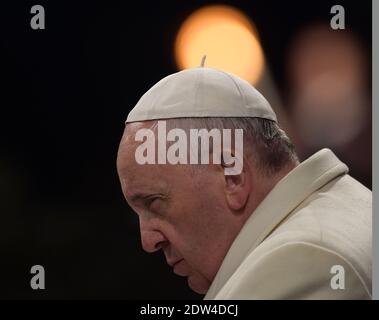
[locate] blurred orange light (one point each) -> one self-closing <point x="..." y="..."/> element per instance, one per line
<point x="228" y="39"/>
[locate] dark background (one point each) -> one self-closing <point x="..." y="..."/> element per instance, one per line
<point x="64" y="96"/>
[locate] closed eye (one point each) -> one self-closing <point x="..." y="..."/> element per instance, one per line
<point x="150" y="201"/>
<point x="153" y="203"/>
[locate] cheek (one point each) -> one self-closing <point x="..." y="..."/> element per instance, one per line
<point x="193" y="233"/>
<point x="197" y="213"/>
<point x="194" y="211"/>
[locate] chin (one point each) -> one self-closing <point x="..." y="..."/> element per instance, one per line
<point x="198" y="284"/>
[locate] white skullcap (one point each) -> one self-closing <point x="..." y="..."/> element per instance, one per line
<point x="201" y="92"/>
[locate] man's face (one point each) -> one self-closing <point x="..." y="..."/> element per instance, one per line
<point x="181" y="211"/>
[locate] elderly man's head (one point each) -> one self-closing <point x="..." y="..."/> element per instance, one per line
<point x="193" y="212"/>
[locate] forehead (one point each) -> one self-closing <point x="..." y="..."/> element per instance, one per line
<point x="142" y="179"/>
<point x="128" y="144"/>
<point x="131" y="130"/>
<point x="137" y="178"/>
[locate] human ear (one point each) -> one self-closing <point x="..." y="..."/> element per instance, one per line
<point x="237" y="188"/>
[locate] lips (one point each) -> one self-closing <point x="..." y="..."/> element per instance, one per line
<point x="181" y="269"/>
<point x="173" y="263"/>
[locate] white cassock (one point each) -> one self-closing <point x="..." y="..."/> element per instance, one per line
<point x="310" y="238"/>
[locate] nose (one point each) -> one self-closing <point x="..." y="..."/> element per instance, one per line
<point x="152" y="238"/>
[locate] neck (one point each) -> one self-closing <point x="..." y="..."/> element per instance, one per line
<point x="264" y="185"/>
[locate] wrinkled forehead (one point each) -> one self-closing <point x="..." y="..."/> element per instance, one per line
<point x="128" y="145"/>
<point x="131" y="130"/>
<point x="141" y="176"/>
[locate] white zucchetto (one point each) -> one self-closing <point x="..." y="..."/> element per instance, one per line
<point x="201" y="92"/>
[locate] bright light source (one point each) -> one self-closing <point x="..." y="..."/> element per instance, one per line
<point x="228" y="39"/>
